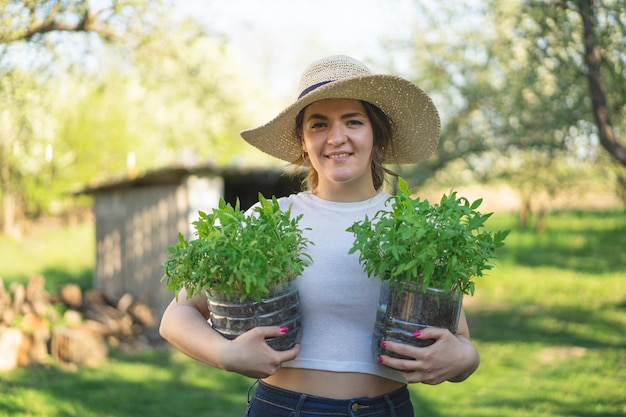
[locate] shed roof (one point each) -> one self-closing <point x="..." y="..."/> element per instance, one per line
<point x="175" y="174"/>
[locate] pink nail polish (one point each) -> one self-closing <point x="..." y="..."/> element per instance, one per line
<point x="380" y="359"/>
<point x="284" y="329"/>
<point x="417" y="334"/>
<point x="383" y="344"/>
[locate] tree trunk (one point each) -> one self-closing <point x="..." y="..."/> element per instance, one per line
<point x="593" y="59"/>
<point x="621" y="187"/>
<point x="9" y="202"/>
<point x="525" y="211"/>
<point x="540" y="227"/>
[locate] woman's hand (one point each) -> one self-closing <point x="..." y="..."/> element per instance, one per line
<point x="184" y="325"/>
<point x="450" y="358"/>
<point x="250" y="355"/>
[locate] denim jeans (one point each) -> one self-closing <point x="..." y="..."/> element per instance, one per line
<point x="269" y="401"/>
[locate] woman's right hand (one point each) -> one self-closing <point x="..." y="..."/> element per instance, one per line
<point x="250" y="355"/>
<point x="184" y="325"/>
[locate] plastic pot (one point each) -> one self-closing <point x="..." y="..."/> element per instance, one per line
<point x="281" y="307"/>
<point x="405" y="309"/>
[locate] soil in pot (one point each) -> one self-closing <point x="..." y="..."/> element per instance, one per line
<point x="281" y="307"/>
<point x="405" y="309"/>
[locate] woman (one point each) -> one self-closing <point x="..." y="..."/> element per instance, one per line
<point x="344" y="125"/>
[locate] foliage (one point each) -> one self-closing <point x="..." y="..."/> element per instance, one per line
<point x="192" y="97"/>
<point x="237" y="253"/>
<point x="35" y="42"/>
<point x="515" y="96"/>
<point x="438" y="245"/>
<point x="158" y="91"/>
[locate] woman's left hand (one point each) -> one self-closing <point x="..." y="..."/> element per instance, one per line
<point x="450" y="358"/>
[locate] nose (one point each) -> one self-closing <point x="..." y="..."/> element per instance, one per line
<point x="336" y="135"/>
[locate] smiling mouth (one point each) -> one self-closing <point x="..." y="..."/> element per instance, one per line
<point x="338" y="155"/>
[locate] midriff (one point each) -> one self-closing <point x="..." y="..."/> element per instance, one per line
<point x="338" y="385"/>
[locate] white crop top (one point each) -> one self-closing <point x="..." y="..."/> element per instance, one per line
<point x="338" y="300"/>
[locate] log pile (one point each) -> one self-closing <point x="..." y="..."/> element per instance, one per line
<point x="73" y="328"/>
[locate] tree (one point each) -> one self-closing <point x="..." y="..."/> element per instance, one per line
<point x="18" y="151"/>
<point x="514" y="94"/>
<point x="585" y="39"/>
<point x="199" y="96"/>
<point x="166" y="88"/>
<point x="26" y="29"/>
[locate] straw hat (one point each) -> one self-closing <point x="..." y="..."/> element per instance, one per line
<point x="413" y="116"/>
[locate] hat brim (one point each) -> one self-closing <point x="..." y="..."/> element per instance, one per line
<point x="413" y="116"/>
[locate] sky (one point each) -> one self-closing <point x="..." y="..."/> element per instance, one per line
<point x="276" y="39"/>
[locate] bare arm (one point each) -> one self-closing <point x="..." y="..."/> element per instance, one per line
<point x="472" y="359"/>
<point x="184" y="325"/>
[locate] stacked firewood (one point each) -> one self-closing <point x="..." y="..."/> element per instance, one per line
<point x="72" y="328"/>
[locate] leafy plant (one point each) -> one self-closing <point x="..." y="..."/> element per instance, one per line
<point x="238" y="254"/>
<point x="438" y="245"/>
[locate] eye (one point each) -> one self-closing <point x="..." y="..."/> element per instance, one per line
<point x="317" y="125"/>
<point x="355" y="122"/>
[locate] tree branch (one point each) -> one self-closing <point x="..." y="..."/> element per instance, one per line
<point x="87" y="23"/>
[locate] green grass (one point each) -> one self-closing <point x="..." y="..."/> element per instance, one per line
<point x="157" y="382"/>
<point x="549" y="322"/>
<point x="61" y="255"/>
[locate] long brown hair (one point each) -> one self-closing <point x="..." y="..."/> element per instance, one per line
<point x="382" y="130"/>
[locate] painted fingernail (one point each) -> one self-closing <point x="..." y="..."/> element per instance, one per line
<point x="383" y="344"/>
<point x="284" y="329"/>
<point x="380" y="359"/>
<point x="417" y="334"/>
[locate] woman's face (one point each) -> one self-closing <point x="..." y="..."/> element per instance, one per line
<point x="338" y="138"/>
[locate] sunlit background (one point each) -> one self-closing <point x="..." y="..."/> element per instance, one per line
<point x="103" y="101"/>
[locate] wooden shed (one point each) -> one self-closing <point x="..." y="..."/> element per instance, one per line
<point x="138" y="218"/>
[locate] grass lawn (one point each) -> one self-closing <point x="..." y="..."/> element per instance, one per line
<point x="61" y="255"/>
<point x="549" y="323"/>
